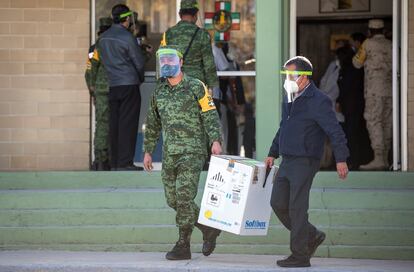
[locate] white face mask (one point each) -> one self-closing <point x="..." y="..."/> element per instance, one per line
<point x="291" y="87"/>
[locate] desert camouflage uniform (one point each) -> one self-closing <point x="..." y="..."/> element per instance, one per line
<point x="375" y="55"/>
<point x="186" y="115"/>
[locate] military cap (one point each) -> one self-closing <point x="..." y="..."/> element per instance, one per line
<point x="189" y="4"/>
<point x="376" y="24"/>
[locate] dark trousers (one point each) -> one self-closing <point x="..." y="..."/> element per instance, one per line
<point x="124" y="107"/>
<point x="290" y="201"/>
<point x="359" y="143"/>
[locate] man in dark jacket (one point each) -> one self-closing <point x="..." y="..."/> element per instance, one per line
<point x="124" y="65"/>
<point x="307" y="118"/>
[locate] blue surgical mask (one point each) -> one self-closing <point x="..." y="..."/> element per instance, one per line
<point x="168" y="70"/>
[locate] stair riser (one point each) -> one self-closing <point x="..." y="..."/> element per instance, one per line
<point x="168" y="234"/>
<point x="79" y="217"/>
<point x="330" y="199"/>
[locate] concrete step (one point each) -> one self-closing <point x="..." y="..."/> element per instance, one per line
<point x="369" y="216"/>
<point x="83" y="180"/>
<point x="155" y="262"/>
<point x="395" y="199"/>
<point x="331" y="251"/>
<point x="79" y="217"/>
<point x="153" y="234"/>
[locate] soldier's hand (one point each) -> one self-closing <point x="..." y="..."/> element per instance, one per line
<point x="269" y="162"/>
<point x="216" y="148"/>
<point x="148" y="162"/>
<point x="342" y="169"/>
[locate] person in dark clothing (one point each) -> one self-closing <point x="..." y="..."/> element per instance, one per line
<point x="351" y="101"/>
<point x="233" y="97"/>
<point x="357" y="39"/>
<point x="124" y="65"/>
<point x="307" y="118"/>
<point x="249" y="132"/>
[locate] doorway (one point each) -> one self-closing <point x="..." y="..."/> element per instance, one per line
<point x="157" y="16"/>
<point x="317" y="27"/>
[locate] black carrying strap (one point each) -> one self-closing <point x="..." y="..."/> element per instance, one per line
<point x="191" y="42"/>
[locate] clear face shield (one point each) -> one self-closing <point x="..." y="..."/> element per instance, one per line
<point x="289" y="79"/>
<point x="133" y="17"/>
<point x="168" y="63"/>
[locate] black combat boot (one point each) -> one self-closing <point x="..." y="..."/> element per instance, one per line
<point x="103" y="166"/>
<point x="181" y="250"/>
<point x="209" y="237"/>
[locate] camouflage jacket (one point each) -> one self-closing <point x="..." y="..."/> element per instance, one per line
<point x="95" y="74"/>
<point x="185" y="114"/>
<point x="199" y="62"/>
<point x="375" y="55"/>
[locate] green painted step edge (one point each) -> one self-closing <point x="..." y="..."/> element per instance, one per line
<point x="75" y="180"/>
<point x="354" y="252"/>
<point x="319" y="199"/>
<point x="168" y="234"/>
<point x="79" y="217"/>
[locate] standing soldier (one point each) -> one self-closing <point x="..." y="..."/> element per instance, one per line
<point x="195" y="43"/>
<point x="98" y="87"/>
<point x="375" y="55"/>
<point x="184" y="111"/>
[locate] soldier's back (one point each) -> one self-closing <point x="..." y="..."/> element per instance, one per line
<point x="180" y="35"/>
<point x="379" y="54"/>
<point x="378" y="66"/>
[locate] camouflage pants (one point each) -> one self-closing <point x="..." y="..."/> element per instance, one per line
<point x="378" y="113"/>
<point x="180" y="175"/>
<point x="101" y="141"/>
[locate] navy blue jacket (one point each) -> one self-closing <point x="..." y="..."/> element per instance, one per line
<point x="305" y="124"/>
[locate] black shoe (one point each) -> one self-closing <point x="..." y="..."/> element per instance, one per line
<point x="129" y="168"/>
<point x="179" y="252"/>
<point x="316" y="242"/>
<point x="292" y="261"/>
<point x="209" y="238"/>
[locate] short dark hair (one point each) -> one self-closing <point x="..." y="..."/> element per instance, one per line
<point x="301" y="64"/>
<point x="345" y="55"/>
<point x="358" y="36"/>
<point x="190" y="11"/>
<point x="102" y="29"/>
<point x="117" y="10"/>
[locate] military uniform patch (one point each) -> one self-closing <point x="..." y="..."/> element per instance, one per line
<point x="206" y="103"/>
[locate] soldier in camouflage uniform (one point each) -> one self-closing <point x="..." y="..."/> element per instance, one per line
<point x="198" y="55"/>
<point x="183" y="110"/>
<point x="375" y="55"/>
<point x="98" y="87"/>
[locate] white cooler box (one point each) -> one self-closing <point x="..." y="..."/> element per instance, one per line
<point x="236" y="197"/>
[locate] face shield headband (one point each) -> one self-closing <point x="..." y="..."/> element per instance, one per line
<point x="168" y="63"/>
<point x="132" y="18"/>
<point x="290" y="85"/>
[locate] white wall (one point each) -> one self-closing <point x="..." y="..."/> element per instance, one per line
<point x="310" y="8"/>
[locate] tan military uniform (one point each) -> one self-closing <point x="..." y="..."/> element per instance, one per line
<point x="375" y="55"/>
